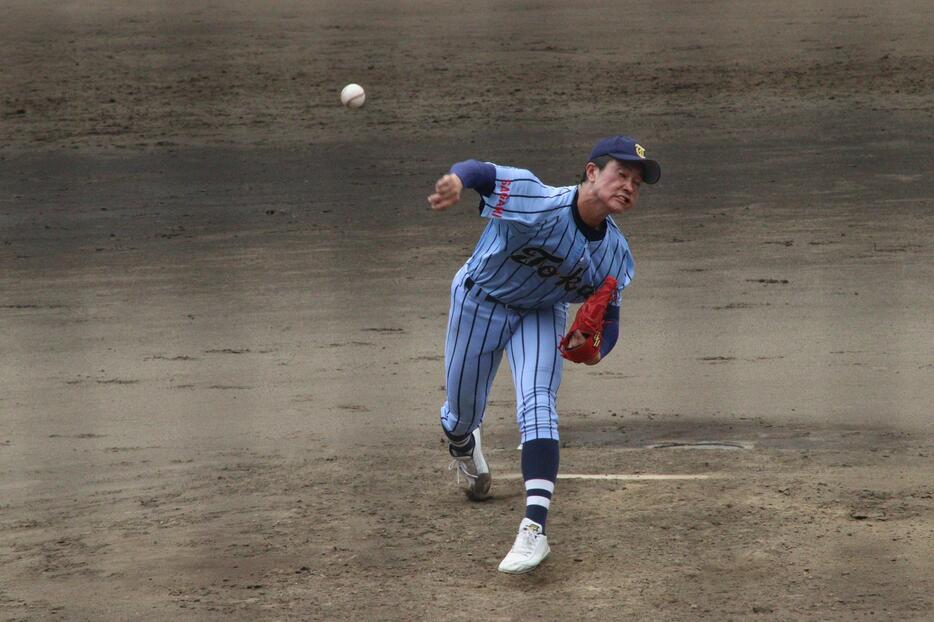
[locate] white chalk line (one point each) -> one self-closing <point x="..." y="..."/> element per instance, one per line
<point x="620" y="476"/>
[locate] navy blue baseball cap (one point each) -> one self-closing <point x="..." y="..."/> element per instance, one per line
<point x="626" y="148"/>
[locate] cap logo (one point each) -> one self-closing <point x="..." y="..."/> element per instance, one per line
<point x="640" y="151"/>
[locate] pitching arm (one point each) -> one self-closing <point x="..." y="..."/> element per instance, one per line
<point x="481" y="176"/>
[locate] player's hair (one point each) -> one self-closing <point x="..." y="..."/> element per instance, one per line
<point x="600" y="162"/>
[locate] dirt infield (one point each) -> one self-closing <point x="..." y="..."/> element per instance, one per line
<point x="223" y="301"/>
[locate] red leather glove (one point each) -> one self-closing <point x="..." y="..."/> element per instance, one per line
<point x="589" y="321"/>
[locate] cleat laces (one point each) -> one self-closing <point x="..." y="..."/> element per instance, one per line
<point x="460" y="466"/>
<point x="524" y="544"/>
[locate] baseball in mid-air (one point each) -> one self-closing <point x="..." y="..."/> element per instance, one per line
<point x="353" y="96"/>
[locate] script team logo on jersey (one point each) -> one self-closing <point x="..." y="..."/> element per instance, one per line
<point x="547" y="265"/>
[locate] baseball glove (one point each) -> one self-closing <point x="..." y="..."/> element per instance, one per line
<point x="589" y="321"/>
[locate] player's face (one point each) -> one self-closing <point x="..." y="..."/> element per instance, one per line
<point x="617" y="185"/>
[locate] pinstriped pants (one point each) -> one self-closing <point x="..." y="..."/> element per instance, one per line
<point x="478" y="332"/>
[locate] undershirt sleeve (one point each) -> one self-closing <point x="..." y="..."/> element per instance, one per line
<point x="610" y="330"/>
<point x="481" y="176"/>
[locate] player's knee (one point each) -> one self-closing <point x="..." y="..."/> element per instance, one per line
<point x="536" y="399"/>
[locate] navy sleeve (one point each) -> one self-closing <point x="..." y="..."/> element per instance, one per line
<point x="610" y="330"/>
<point x="481" y="176"/>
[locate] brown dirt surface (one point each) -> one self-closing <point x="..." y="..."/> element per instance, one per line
<point x="224" y="298"/>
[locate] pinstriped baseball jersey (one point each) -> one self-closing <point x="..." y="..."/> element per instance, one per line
<point x="536" y="251"/>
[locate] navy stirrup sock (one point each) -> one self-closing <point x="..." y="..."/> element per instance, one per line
<point x="462" y="446"/>
<point x="540" y="471"/>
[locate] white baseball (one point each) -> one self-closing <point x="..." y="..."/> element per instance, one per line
<point x="353" y="96"/>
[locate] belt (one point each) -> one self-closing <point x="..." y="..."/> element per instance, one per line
<point x="468" y="285"/>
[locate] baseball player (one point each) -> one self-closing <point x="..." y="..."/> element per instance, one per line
<point x="543" y="248"/>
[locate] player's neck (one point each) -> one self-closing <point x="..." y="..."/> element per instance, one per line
<point x="591" y="211"/>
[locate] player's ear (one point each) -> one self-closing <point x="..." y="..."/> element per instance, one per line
<point x="591" y="171"/>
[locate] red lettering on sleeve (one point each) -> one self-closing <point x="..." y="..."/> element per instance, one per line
<point x="503" y="197"/>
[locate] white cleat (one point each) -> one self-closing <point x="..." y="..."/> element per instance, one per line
<point x="528" y="551"/>
<point x="474" y="469"/>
